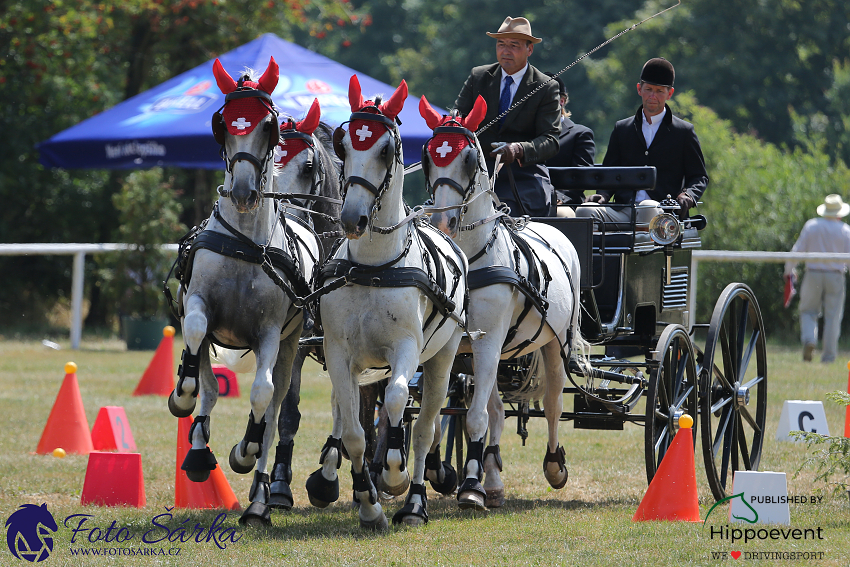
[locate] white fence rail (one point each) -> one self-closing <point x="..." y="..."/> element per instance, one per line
<point x="79" y="252"/>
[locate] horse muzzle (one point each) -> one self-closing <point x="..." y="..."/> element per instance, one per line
<point x="445" y="223"/>
<point x="354" y="224"/>
<point x="245" y="197"/>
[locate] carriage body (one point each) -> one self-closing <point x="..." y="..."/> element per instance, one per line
<point x="635" y="300"/>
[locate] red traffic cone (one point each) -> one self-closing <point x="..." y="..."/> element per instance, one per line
<point x="67" y="427"/>
<point x="158" y="379"/>
<point x="215" y="492"/>
<point x="114" y="479"/>
<point x="672" y="494"/>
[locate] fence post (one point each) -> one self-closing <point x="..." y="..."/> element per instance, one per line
<point x="77" y="299"/>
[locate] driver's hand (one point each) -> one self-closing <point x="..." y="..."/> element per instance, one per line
<point x="685" y="201"/>
<point x="510" y="152"/>
<point x="597" y="198"/>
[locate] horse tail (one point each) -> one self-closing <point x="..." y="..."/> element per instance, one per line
<point x="579" y="347"/>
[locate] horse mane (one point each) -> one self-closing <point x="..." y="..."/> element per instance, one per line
<point x="330" y="187"/>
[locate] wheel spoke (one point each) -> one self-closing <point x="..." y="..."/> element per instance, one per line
<point x="660" y="446"/>
<point x="732" y="440"/>
<point x="746" y="415"/>
<point x="727" y="360"/>
<point x="684" y="359"/>
<point x="719" y="404"/>
<point x="742" y="444"/>
<point x="745" y="362"/>
<point x="742" y="333"/>
<point x="753" y="382"/>
<point x="677" y="404"/>
<point x="722" y="424"/>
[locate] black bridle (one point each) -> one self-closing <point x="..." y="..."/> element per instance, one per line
<point x="220" y="131"/>
<point x="392" y="158"/>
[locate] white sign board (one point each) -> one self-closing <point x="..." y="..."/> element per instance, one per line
<point x="764" y="498"/>
<point x="800" y="415"/>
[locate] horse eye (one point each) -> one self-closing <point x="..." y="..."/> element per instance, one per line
<point x="384" y="151"/>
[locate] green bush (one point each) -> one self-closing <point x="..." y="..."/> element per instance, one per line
<point x="758" y="198"/>
<point x="148" y="214"/>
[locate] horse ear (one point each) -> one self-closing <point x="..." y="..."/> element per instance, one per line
<point x="432" y="118"/>
<point x="268" y="81"/>
<point x="355" y="97"/>
<point x="393" y="106"/>
<point x="223" y="79"/>
<point x="476" y="115"/>
<point x="311" y="121"/>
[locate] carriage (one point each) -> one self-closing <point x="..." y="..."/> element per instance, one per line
<point x="636" y="282"/>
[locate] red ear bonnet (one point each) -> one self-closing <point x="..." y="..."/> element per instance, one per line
<point x="476" y="115"/>
<point x="431" y="116"/>
<point x="289" y="148"/>
<point x="242" y="115"/>
<point x="364" y="133"/>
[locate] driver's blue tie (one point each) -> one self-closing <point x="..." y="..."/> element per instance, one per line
<point x="505" y="99"/>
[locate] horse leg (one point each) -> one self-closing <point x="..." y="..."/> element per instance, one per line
<point x="287" y="424"/>
<point x="436" y="382"/>
<point x="199" y="461"/>
<point x="554" y="463"/>
<point x="471" y="494"/>
<point x="347" y="396"/>
<point x="493" y="485"/>
<point x="181" y="402"/>
<point x="244" y="454"/>
<point x="441" y="474"/>
<point x="323" y="483"/>
<point x="395" y="477"/>
<point x="258" y="513"/>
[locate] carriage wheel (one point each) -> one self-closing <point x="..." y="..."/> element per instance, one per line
<point x="672" y="392"/>
<point x="733" y="388"/>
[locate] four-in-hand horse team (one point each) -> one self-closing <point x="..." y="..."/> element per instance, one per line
<point x="311" y="238"/>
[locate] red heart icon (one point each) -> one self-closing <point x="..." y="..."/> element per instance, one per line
<point x="735" y="554"/>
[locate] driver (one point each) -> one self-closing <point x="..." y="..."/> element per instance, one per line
<point x="527" y="136"/>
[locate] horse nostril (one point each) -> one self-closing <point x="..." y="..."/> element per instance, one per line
<point x="362" y="222"/>
<point x="452" y="223"/>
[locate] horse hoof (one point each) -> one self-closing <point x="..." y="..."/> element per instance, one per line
<point x="397" y="490"/>
<point x="239" y="467"/>
<point x="198" y="476"/>
<point x="176" y="410"/>
<point x="257" y="515"/>
<point x="449" y="484"/>
<point x="280" y="496"/>
<point x="559" y="479"/>
<point x="471" y="500"/>
<point x="495" y="497"/>
<point x="379" y="524"/>
<point x="322" y="491"/>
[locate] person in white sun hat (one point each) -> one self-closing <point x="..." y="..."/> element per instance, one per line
<point x="822" y="290"/>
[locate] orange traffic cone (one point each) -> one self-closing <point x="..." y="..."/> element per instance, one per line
<point x="114" y="479"/>
<point x="672" y="494"/>
<point x="215" y="492"/>
<point x="111" y="431"/>
<point x="67" y="427"/>
<point x="158" y="379"/>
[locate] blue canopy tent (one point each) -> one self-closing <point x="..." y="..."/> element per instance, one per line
<point x="169" y="125"/>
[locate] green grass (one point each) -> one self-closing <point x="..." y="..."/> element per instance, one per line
<point x="588" y="522"/>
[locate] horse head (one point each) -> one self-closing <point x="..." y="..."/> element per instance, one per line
<point x="298" y="167"/>
<point x="452" y="162"/>
<point x="371" y="153"/>
<point x="246" y="128"/>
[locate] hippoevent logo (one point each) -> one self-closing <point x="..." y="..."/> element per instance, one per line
<point x="734" y="535"/>
<point x="29" y="532"/>
<point x="30" y="529"/>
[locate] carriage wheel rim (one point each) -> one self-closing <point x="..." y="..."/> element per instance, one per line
<point x="732" y="401"/>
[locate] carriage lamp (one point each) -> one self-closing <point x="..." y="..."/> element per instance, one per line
<point x="664" y="229"/>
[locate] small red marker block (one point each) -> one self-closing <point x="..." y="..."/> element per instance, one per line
<point x="228" y="385"/>
<point x="114" y="479"/>
<point x="111" y="431"/>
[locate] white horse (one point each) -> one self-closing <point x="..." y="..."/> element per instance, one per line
<point x="524" y="296"/>
<point x="247" y="271"/>
<point x="395" y="298"/>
